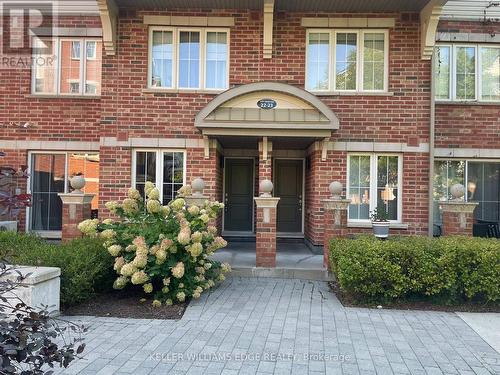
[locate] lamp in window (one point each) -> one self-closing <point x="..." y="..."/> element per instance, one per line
<point x="366" y="197"/>
<point x="156" y="81"/>
<point x="471" y="188"/>
<point x="355" y="199"/>
<point x="387" y="194"/>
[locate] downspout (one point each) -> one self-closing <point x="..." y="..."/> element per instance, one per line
<point x="431" y="143"/>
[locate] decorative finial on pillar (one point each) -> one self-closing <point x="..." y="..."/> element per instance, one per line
<point x="457" y="191"/>
<point x="336" y="188"/>
<point x="197" y="186"/>
<point x="77" y="183"/>
<point x="265" y="188"/>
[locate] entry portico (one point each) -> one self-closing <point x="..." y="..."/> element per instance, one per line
<point x="263" y="131"/>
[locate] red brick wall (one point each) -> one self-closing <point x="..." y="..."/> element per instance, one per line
<point x="68" y="119"/>
<point x="399" y="117"/>
<point x="321" y="173"/>
<point x="468" y="125"/>
<point x="125" y="110"/>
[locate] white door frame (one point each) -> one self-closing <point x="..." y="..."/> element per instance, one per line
<point x="51" y="234"/>
<point x="233" y="233"/>
<point x="301" y="233"/>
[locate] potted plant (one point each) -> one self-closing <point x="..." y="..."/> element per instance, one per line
<point x="380" y="222"/>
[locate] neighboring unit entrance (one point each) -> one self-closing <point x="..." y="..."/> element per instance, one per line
<point x="288" y="185"/>
<point x="238" y="195"/>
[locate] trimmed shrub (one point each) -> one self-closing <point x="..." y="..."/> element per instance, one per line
<point x="85" y="268"/>
<point x="448" y="269"/>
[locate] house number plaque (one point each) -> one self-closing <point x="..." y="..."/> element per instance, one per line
<point x="266" y="103"/>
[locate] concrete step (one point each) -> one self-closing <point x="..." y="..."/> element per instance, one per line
<point x="283" y="273"/>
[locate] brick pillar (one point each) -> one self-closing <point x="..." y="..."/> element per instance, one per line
<point x="265" y="234"/>
<point x="265" y="161"/>
<point x="265" y="231"/>
<point x="76" y="208"/>
<point x="335" y="223"/>
<point x="458" y="217"/>
<point x="335" y="218"/>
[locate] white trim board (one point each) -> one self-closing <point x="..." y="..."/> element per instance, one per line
<point x="372" y="147"/>
<point x="157" y="142"/>
<point x="467" y="153"/>
<point x="49" y="145"/>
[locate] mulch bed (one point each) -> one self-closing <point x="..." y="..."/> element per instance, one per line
<point x="348" y="300"/>
<point x="125" y="304"/>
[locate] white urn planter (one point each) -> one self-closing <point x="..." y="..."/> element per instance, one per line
<point x="380" y="229"/>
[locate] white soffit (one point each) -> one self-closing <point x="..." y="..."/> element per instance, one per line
<point x="474" y="10"/>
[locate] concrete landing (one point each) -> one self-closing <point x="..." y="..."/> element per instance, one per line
<point x="294" y="260"/>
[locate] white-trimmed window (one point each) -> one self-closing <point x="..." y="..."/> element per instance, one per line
<point x="347" y="60"/>
<point x="73" y="63"/>
<point x="165" y="168"/>
<point x="481" y="179"/>
<point x="50" y="174"/>
<point x="187" y="58"/>
<point x="374" y="180"/>
<point x="467" y="72"/>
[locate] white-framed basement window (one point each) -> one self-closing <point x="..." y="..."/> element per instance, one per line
<point x="166" y="168"/>
<point x="347" y="60"/>
<point x="73" y="68"/>
<point x="467" y="72"/>
<point x="374" y="180"/>
<point x="188" y="58"/>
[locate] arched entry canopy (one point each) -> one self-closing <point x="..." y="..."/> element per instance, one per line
<point x="267" y="109"/>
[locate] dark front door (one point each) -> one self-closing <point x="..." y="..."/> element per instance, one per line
<point x="288" y="187"/>
<point x="239" y="181"/>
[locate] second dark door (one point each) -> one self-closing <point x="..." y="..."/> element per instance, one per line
<point x="288" y="181"/>
<point x="239" y="185"/>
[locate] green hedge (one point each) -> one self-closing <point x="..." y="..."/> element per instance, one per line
<point x="86" y="268"/>
<point x="445" y="269"/>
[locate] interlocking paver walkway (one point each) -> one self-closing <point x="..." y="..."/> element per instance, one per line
<point x="277" y="326"/>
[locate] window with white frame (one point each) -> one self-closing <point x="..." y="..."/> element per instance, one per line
<point x="347" y="60"/>
<point x="372" y="181"/>
<point x="73" y="68"/>
<point x="188" y="58"/>
<point x="468" y="72"/>
<point x="165" y="168"/>
<point x="50" y="174"/>
<point x="481" y="179"/>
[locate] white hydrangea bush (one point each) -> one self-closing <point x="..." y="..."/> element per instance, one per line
<point x="164" y="249"/>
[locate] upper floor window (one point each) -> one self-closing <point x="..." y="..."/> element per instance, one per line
<point x="188" y="58"/>
<point x="468" y="72"/>
<point x="347" y="60"/>
<point x="73" y="68"/>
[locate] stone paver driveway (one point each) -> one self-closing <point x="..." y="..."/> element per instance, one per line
<point x="276" y="326"/>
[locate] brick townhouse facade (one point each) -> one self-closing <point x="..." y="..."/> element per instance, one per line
<point x="302" y="93"/>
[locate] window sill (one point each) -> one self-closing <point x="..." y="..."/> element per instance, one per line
<point x="465" y="102"/>
<point x="352" y="93"/>
<point x="53" y="96"/>
<point x="368" y="224"/>
<point x="180" y="91"/>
